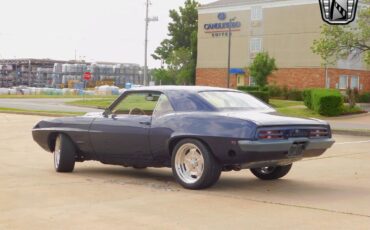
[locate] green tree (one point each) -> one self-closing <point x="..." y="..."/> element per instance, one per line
<point x="163" y="77"/>
<point x="182" y="41"/>
<point x="181" y="66"/>
<point x="341" y="41"/>
<point x="179" y="69"/>
<point x="261" y="67"/>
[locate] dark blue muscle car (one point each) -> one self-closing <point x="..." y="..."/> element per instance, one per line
<point x="198" y="131"/>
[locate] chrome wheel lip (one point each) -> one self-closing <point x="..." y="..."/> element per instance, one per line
<point x="57" y="151"/>
<point x="189" y="163"/>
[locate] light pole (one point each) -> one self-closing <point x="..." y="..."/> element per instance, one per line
<point x="147" y="20"/>
<point x="229" y="52"/>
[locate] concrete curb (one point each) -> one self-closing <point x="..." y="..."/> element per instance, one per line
<point x="361" y="133"/>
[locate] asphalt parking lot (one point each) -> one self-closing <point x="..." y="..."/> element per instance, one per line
<point x="330" y="192"/>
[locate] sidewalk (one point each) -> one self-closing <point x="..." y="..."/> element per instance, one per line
<point x="356" y="124"/>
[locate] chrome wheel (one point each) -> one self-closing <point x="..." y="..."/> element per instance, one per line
<point x="189" y="163"/>
<point x="267" y="170"/>
<point x="271" y="172"/>
<point x="57" y="151"/>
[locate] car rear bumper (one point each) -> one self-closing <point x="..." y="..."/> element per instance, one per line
<point x="285" y="145"/>
<point x="254" y="154"/>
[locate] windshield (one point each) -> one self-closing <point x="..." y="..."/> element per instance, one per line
<point x="233" y="100"/>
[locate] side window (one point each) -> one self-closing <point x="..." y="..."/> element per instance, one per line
<point x="256" y="13"/>
<point x="343" y="82"/>
<point x="163" y="106"/>
<point x="255" y="45"/>
<point x="137" y="104"/>
<point x="355" y="82"/>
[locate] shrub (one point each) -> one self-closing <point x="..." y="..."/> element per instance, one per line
<point x="307" y="98"/>
<point x="262" y="95"/>
<point x="285" y="92"/>
<point x="364" y="98"/>
<point x="275" y="91"/>
<point x="327" y="102"/>
<point x="295" y="95"/>
<point x="264" y="89"/>
<point x="248" y="88"/>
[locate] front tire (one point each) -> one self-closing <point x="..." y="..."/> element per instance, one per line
<point x="194" y="166"/>
<point x="64" y="154"/>
<point x="271" y="172"/>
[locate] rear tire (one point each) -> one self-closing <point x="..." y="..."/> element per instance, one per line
<point x="194" y="166"/>
<point x="272" y="172"/>
<point x="64" y="154"/>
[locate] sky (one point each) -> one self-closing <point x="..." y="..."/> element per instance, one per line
<point x="109" y="30"/>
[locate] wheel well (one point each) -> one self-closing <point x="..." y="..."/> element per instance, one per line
<point x="51" y="141"/>
<point x="176" y="140"/>
<point x="53" y="137"/>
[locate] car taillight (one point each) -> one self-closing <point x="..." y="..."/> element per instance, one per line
<point x="271" y="135"/>
<point x="319" y="133"/>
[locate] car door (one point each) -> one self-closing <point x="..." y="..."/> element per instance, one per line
<point x="122" y="137"/>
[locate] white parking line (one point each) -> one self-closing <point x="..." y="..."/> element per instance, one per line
<point x="353" y="142"/>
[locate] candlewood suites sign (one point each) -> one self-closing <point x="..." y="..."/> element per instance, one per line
<point x="221" y="28"/>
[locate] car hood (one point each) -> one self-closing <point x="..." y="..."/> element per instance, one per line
<point x="272" y="118"/>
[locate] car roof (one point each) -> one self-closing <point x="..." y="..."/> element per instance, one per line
<point x="180" y="88"/>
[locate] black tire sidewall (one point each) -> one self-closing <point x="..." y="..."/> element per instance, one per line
<point x="67" y="155"/>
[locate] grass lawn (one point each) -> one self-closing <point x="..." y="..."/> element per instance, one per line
<point x="299" y="112"/>
<point x="276" y="103"/>
<point x="92" y="103"/>
<point x="298" y="109"/>
<point x="39" y="112"/>
<point x="131" y="101"/>
<point x="293" y="108"/>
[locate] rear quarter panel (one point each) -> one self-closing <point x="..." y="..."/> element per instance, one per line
<point x="217" y="132"/>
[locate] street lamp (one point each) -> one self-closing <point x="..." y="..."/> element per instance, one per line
<point x="229" y="52"/>
<point x="147" y="20"/>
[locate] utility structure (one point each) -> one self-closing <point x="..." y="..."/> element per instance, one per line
<point x="147" y="21"/>
<point x="229" y="51"/>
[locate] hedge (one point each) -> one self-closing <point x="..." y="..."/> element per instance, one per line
<point x="328" y="105"/>
<point x="307" y="98"/>
<point x="364" y="98"/>
<point x="248" y="88"/>
<point x="262" y="95"/>
<point x="275" y="91"/>
<point x="295" y="95"/>
<point x="325" y="102"/>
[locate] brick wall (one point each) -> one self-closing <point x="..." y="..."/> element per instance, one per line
<point x="215" y="77"/>
<point x="299" y="78"/>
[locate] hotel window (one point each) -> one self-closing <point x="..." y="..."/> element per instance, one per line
<point x="256" y="45"/>
<point x="256" y="13"/>
<point x="343" y="82"/>
<point x="355" y="82"/>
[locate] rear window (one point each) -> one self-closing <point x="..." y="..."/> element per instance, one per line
<point x="226" y="100"/>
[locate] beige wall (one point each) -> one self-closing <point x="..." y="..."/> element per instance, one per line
<point x="287" y="34"/>
<point x="213" y="52"/>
